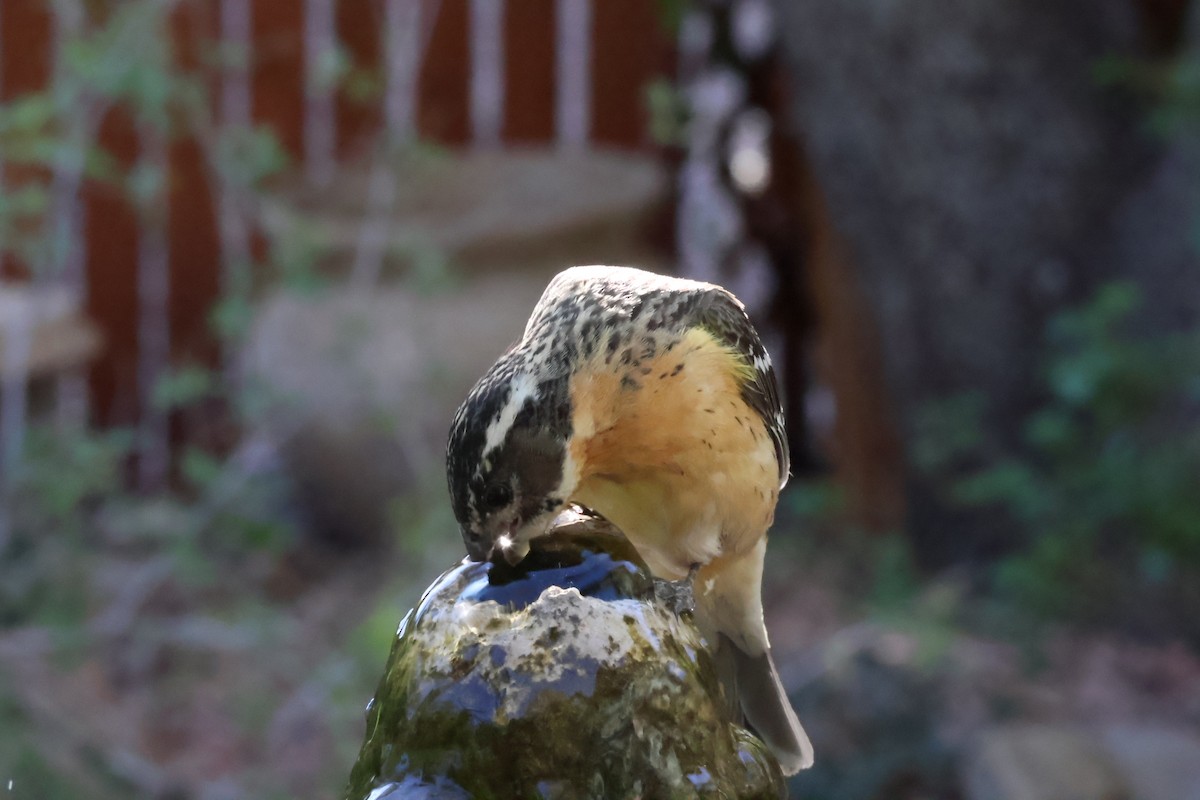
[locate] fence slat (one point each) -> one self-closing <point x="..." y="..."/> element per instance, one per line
<point x="3" y="244"/>
<point x="320" y="119"/>
<point x="154" y="324"/>
<point x="236" y="113"/>
<point x="236" y="36"/>
<point x="68" y="253"/>
<point x="403" y="53"/>
<point x="573" y="67"/>
<point x="487" y="72"/>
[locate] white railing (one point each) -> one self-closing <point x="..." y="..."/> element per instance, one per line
<point x="320" y="117"/>
<point x="487" y="72"/>
<point x="573" y="68"/>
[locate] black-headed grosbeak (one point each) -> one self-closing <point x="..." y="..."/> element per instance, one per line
<point x="651" y="401"/>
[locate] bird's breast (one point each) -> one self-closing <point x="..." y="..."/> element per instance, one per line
<point x="666" y="448"/>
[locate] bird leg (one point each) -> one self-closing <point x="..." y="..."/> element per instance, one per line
<point x="680" y="595"/>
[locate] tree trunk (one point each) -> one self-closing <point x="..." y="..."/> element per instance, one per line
<point x="974" y="166"/>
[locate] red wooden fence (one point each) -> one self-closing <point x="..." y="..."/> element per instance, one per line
<point x="628" y="47"/>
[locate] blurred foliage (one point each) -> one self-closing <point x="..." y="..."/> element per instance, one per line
<point x="217" y="542"/>
<point x="64" y="476"/>
<point x="74" y="484"/>
<point x="870" y="703"/>
<point x="1102" y="492"/>
<point x="1172" y="86"/>
<point x="667" y="111"/>
<point x="122" y="56"/>
<point x="60" y="483"/>
<point x="671" y="13"/>
<point x="100" y="578"/>
<point x="876" y="572"/>
<point x="1105" y="490"/>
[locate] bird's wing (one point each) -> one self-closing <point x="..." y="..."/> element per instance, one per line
<point x="723" y="315"/>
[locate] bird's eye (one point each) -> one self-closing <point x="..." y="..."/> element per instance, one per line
<point x="496" y="496"/>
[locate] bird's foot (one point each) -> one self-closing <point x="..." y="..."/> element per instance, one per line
<point x="679" y="596"/>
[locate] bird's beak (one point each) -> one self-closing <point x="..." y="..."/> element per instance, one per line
<point x="479" y="546"/>
<point x="482" y="547"/>
<point x="513" y="551"/>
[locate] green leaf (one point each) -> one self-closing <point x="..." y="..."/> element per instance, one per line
<point x="1050" y="429"/>
<point x="182" y="387"/>
<point x="245" y="157"/>
<point x="1114" y="302"/>
<point x="199" y="468"/>
<point x="949" y="428"/>
<point x="231" y="317"/>
<point x="1010" y="483"/>
<point x="1074" y="381"/>
<point x="29" y="200"/>
<point x="146" y="184"/>
<point x="30" y="113"/>
<point x="895" y="580"/>
<point x="1155" y="565"/>
<point x="331" y="66"/>
<point x="667" y="112"/>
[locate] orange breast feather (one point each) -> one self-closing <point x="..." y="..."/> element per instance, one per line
<point x="670" y="453"/>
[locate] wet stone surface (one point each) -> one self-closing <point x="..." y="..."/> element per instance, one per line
<point x="560" y="678"/>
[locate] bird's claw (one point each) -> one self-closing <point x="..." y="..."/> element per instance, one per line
<point x="680" y="595"/>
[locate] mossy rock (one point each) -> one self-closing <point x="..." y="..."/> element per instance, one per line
<point x="560" y="678"/>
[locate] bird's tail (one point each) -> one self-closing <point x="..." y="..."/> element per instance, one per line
<point x="767" y="708"/>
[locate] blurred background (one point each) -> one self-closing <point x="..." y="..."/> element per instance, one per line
<point x="254" y="253"/>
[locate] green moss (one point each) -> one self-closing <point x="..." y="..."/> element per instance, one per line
<point x="567" y="696"/>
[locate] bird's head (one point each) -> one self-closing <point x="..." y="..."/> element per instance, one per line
<point x="505" y="463"/>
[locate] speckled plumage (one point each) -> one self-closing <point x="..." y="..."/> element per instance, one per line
<point x="628" y="315"/>
<point x="652" y="401"/>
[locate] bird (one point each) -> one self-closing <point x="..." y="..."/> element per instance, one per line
<point x="651" y="401"/>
